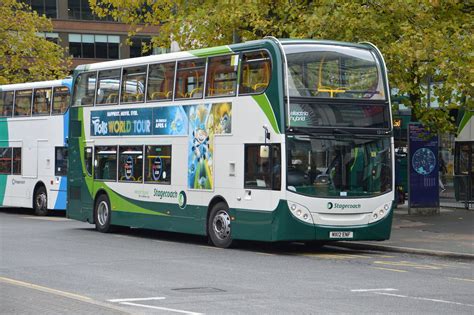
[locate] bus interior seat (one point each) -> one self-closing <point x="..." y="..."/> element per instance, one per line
<point x="159" y="95"/>
<point x="129" y="98"/>
<point x="112" y="98"/>
<point x="195" y="93"/>
<point x="259" y="87"/>
<point x="87" y="100"/>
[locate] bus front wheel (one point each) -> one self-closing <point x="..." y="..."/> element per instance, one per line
<point x="102" y="214"/>
<point x="40" y="201"/>
<point x="219" y="226"/>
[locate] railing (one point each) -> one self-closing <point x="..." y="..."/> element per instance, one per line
<point x="463" y="189"/>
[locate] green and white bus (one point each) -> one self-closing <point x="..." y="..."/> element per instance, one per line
<point x="268" y="140"/>
<point x="33" y="145"/>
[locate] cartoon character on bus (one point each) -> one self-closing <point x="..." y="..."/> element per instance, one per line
<point x="205" y="121"/>
<point x="200" y="159"/>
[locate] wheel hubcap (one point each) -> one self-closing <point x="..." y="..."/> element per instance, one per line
<point x="41" y="201"/>
<point x="102" y="213"/>
<point x="221" y="224"/>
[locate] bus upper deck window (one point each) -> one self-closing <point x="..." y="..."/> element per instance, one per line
<point x="42" y="101"/>
<point x="133" y="84"/>
<point x="160" y="81"/>
<point x="60" y="100"/>
<point x="84" y="89"/>
<point x="255" y="73"/>
<point x="222" y="76"/>
<point x="190" y="78"/>
<point x="6" y="104"/>
<point x="108" y="85"/>
<point x="23" y="103"/>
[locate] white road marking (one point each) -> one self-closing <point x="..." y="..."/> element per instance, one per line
<point x="462" y="279"/>
<point x="137" y="299"/>
<point x="129" y="301"/>
<point x="423" y="299"/>
<point x="160" y="308"/>
<point x="389" y="269"/>
<point x="374" y="290"/>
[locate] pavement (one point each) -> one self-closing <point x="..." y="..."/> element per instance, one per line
<point x="449" y="233"/>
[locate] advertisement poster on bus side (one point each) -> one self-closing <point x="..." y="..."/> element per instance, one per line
<point x="171" y="120"/>
<point x="123" y="122"/>
<point x="205" y="121"/>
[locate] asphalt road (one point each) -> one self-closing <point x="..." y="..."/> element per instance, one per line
<point x="52" y="265"/>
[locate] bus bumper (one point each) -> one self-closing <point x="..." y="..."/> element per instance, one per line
<point x="281" y="225"/>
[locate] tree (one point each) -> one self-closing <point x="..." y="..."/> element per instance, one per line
<point x="25" y="56"/>
<point x="424" y="42"/>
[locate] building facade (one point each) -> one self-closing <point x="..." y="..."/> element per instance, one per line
<point x="87" y="37"/>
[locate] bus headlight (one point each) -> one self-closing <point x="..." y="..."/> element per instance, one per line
<point x="380" y="213"/>
<point x="300" y="212"/>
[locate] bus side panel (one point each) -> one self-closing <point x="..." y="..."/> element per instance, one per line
<point x="18" y="191"/>
<point x="167" y="223"/>
<point x="159" y="215"/>
<point x="3" y="185"/>
<point x="60" y="194"/>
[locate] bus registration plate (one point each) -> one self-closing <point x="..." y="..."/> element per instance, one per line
<point x="341" y="234"/>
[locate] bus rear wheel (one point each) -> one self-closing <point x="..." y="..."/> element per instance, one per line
<point x="219" y="226"/>
<point x="40" y="201"/>
<point x="102" y="214"/>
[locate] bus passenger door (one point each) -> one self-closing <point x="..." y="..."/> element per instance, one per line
<point x="80" y="202"/>
<point x="262" y="175"/>
<point x="262" y="178"/>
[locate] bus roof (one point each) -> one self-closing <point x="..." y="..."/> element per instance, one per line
<point x="38" y="84"/>
<point x="204" y="52"/>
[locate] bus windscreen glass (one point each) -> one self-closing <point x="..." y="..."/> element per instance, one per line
<point x="330" y="71"/>
<point x="338" y="166"/>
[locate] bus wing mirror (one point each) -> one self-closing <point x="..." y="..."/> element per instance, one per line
<point x="264" y="151"/>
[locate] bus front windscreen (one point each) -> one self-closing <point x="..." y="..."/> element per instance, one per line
<point x="338" y="166"/>
<point x="331" y="71"/>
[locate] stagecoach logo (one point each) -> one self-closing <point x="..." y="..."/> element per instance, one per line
<point x="16" y="181"/>
<point x="182" y="199"/>
<point x="343" y="206"/>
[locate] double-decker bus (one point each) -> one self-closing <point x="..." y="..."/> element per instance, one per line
<point x="464" y="158"/>
<point x="268" y="140"/>
<point x="33" y="145"/>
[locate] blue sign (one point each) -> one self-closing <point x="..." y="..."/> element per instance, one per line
<point x="423" y="167"/>
<point x="171" y="120"/>
<point x="123" y="122"/>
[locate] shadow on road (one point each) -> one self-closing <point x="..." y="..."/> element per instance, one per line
<point x="275" y="248"/>
<point x="27" y="211"/>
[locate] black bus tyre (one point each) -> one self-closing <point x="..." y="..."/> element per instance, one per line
<point x="40" y="201"/>
<point x="219" y="226"/>
<point x="102" y="214"/>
